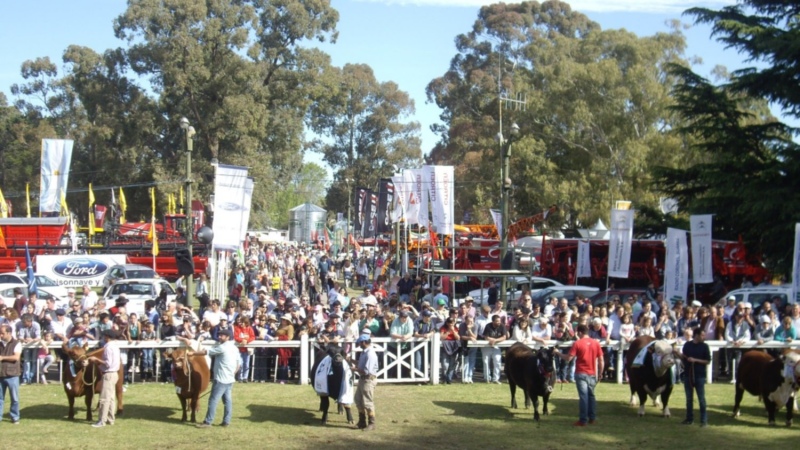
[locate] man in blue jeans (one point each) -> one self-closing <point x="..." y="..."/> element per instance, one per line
<point x="696" y="356"/>
<point x="226" y="364"/>
<point x="589" y="363"/>
<point x="10" y="352"/>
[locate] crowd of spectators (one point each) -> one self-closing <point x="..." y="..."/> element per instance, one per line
<point x="280" y="293"/>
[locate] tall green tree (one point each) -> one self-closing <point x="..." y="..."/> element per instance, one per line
<point x="365" y="130"/>
<point x="748" y="163"/>
<point x="594" y="112"/>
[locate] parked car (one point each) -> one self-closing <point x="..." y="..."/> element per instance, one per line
<point x="760" y="294"/>
<point x="127" y="271"/>
<point x="7" y="296"/>
<point x="138" y="291"/>
<point x="44" y="284"/>
<point x="568" y="292"/>
<point x="514" y="289"/>
<point x="623" y="293"/>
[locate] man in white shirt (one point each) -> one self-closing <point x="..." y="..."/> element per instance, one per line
<point x="61" y="326"/>
<point x="551" y="306"/>
<point x="213" y="315"/>
<point x="541" y="331"/>
<point x="109" y="365"/>
<point x="89" y="298"/>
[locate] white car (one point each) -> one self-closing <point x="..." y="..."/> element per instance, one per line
<point x="568" y="292"/>
<point x="43" y="284"/>
<point x="138" y="291"/>
<point x="514" y="289"/>
<point x="759" y="294"/>
<point x="7" y="296"/>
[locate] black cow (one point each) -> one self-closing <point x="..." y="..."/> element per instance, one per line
<point x="653" y="377"/>
<point x="335" y="376"/>
<point x="762" y="375"/>
<point x="533" y="372"/>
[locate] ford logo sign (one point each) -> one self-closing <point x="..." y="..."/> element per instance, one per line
<point x="230" y="206"/>
<point x="80" y="268"/>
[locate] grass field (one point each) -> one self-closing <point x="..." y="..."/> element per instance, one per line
<point x="440" y="417"/>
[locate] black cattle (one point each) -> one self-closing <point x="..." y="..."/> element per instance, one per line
<point x="533" y="372"/>
<point x="653" y="377"/>
<point x="334" y="381"/>
<point x="767" y="377"/>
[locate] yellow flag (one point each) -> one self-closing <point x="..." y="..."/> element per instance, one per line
<point x="182" y="206"/>
<point x="28" y="197"/>
<point x="152" y="236"/>
<point x="64" y="208"/>
<point x="3" y="206"/>
<point x="91" y="210"/>
<point x="153" y="201"/>
<point x="123" y="206"/>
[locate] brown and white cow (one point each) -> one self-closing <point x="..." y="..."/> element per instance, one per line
<point x="775" y="380"/>
<point x="191" y="375"/>
<point x="653" y="376"/>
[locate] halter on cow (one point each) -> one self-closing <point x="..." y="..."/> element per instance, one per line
<point x="87" y="380"/>
<point x="533" y="372"/>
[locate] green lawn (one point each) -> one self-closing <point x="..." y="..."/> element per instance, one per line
<point x="440" y="417"/>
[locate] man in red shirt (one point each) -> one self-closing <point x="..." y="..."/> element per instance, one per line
<point x="589" y="362"/>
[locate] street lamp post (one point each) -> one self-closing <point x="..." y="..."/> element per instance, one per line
<point x="506" y="193"/>
<point x="348" y="181"/>
<point x="189" y="132"/>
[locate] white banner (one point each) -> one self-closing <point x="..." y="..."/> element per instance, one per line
<point x="56" y="159"/>
<point x="421" y="191"/>
<point x="676" y="266"/>
<point x="584" y="268"/>
<point x="229" y="186"/>
<point x="412" y="196"/>
<point x="247" y="201"/>
<point x="441" y="196"/>
<point x="497" y="217"/>
<point x="77" y="270"/>
<point x="619" y="245"/>
<point x="400" y="198"/>
<point x="796" y="265"/>
<point x="701" y="248"/>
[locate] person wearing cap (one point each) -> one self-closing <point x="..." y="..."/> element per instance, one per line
<point x="730" y="307"/>
<point x="109" y="365"/>
<point x="764" y="331"/>
<point x="367" y="369"/>
<point x="541" y="331"/>
<point x="226" y="365"/>
<point x="737" y="333"/>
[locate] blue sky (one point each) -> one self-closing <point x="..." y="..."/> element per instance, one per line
<point x="408" y="42"/>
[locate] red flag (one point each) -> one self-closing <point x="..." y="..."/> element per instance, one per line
<point x="327" y="240"/>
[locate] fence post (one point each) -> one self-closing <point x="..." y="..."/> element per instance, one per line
<point x="304" y="349"/>
<point x="620" y="360"/>
<point x="435" y="361"/>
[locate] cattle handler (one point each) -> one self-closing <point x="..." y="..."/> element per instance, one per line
<point x="226" y="364"/>
<point x="365" y="393"/>
<point x="696" y="355"/>
<point x="109" y="365"/>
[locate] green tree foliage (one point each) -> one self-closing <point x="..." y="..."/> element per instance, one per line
<point x="364" y="130"/>
<point x="306" y="186"/>
<point x="595" y="112"/>
<point x="747" y="163"/>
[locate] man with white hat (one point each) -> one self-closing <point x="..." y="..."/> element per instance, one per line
<point x="367" y="369"/>
<point x="730" y="307"/>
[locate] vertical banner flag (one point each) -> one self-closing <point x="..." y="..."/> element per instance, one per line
<point x="411" y="197"/>
<point x="361" y="209"/>
<point x="29" y="270"/>
<point x="91" y="210"/>
<point x="619" y="245"/>
<point x="796" y="264"/>
<point x="398" y="211"/>
<point x="229" y="186"/>
<point x="3" y="206"/>
<point x="28" y="198"/>
<point x="152" y="236"/>
<point x="123" y="206"/>
<point x="441" y="197"/>
<point x="497" y="217"/>
<point x="247" y="201"/>
<point x="56" y="160"/>
<point x="385" y="199"/>
<point x="676" y="266"/>
<point x="421" y="191"/>
<point x="183" y="203"/>
<point x="584" y="263"/>
<point x="701" y="248"/>
<point x="370" y="215"/>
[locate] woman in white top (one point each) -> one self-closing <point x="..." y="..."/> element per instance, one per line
<point x="522" y="331"/>
<point x="541" y="331"/>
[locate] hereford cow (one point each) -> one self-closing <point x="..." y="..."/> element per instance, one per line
<point x="775" y="380"/>
<point x="533" y="372"/>
<point x="85" y="381"/>
<point x="191" y="375"/>
<point x="650" y="375"/>
<point x="331" y="377"/>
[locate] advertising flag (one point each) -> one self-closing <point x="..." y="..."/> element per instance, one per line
<point x="701" y="248"/>
<point x="398" y="210"/>
<point x="91" y="210"/>
<point x="3" y="206"/>
<point x="229" y="196"/>
<point x="619" y="245"/>
<point x="796" y="262"/>
<point x="361" y="206"/>
<point x="412" y="197"/>
<point x="421" y="193"/>
<point x="56" y="160"/>
<point x="29" y="270"/>
<point x="385" y="198"/>
<point x="497" y="217"/>
<point x="441" y="185"/>
<point x="584" y="268"/>
<point x="123" y="206"/>
<point x="676" y="266"/>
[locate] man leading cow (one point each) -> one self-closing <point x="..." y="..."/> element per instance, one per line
<point x="589" y="364"/>
<point x="696" y="356"/>
<point x="226" y="364"/>
<point x="110" y="365"/>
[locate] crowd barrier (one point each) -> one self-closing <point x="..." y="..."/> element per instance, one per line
<point x="398" y="361"/>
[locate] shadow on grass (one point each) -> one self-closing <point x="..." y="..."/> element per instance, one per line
<point x="478" y="411"/>
<point x="161" y="414"/>
<point x="51" y="411"/>
<point x="283" y="415"/>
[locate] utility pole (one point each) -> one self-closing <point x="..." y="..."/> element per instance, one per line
<point x="189" y="135"/>
<point x="348" y="182"/>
